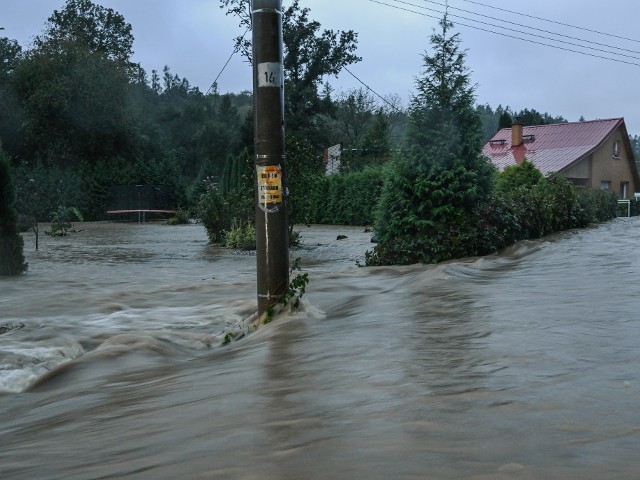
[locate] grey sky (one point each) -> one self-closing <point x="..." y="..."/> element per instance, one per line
<point x="194" y="38"/>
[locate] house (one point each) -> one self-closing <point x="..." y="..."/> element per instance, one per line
<point x="594" y="154"/>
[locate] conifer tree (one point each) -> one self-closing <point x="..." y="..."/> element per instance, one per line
<point x="505" y="120"/>
<point x="11" y="243"/>
<point x="442" y="118"/>
<point x="430" y="199"/>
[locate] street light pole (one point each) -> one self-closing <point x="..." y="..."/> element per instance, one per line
<point x="272" y="242"/>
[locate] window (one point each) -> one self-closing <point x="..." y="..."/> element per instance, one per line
<point x="604" y="185"/>
<point x="624" y="189"/>
<point x="616" y="149"/>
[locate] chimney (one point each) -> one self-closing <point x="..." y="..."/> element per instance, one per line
<point x="516" y="133"/>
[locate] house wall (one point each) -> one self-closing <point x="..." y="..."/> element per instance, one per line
<point x="606" y="168"/>
<point x="580" y="173"/>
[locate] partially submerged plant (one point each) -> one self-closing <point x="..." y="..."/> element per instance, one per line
<point x="61" y="221"/>
<point x="296" y="289"/>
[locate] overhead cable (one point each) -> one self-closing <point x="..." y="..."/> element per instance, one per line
<point x="235" y="50"/>
<point x="553" y="21"/>
<point x="397" y="7"/>
<point x="525" y="26"/>
<point x="393" y="107"/>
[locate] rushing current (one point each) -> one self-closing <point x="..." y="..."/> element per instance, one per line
<point x="521" y="365"/>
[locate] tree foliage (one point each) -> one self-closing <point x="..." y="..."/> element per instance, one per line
<point x="81" y="22"/>
<point x="443" y="124"/>
<point x="11" y="245"/>
<point x="504" y="117"/>
<point x="304" y="167"/>
<point x="635" y="146"/>
<point x="431" y="195"/>
<point x="11" y="118"/>
<point x="75" y="107"/>
<point x="79" y="117"/>
<point x="310" y="55"/>
<point x="523" y="175"/>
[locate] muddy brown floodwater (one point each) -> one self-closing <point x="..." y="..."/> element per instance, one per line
<point x="522" y="365"/>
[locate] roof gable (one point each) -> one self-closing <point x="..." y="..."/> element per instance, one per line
<point x="551" y="148"/>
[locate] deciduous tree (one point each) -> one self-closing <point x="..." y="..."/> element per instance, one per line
<point x="101" y="30"/>
<point x="310" y="55"/>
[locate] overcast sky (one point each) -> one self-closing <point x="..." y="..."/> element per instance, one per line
<point x="195" y="38"/>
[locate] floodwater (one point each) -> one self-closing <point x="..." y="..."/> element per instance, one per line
<point x="523" y="365"/>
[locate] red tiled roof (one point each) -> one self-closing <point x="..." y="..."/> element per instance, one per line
<point x="552" y="148"/>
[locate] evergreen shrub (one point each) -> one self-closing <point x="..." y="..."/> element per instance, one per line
<point x="525" y="205"/>
<point x="11" y="244"/>
<point x="346" y="198"/>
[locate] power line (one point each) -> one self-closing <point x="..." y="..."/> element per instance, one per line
<point x="553" y="21"/>
<point x="519" y="31"/>
<point x="393" y="107"/>
<point x="558" y="47"/>
<point x="235" y="50"/>
<point x="529" y="27"/>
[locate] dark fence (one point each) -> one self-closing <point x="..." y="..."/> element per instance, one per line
<point x="139" y="202"/>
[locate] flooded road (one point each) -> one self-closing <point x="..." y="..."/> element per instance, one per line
<point x="524" y="365"/>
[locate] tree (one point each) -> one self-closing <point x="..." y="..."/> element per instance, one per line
<point x="489" y="120"/>
<point x="310" y="55"/>
<point x="75" y="87"/>
<point x="505" y="120"/>
<point x="11" y="243"/>
<point x="635" y="146"/>
<point x="75" y="106"/>
<point x="303" y="170"/>
<point x="102" y="30"/>
<point x="11" y="118"/>
<point x="10" y="54"/>
<point x="443" y="122"/>
<point x="376" y="144"/>
<point x="353" y="113"/>
<point x="428" y="209"/>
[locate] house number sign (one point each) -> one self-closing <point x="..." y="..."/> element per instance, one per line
<point x="270" y="74"/>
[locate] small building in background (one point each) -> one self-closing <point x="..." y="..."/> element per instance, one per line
<point x="332" y="159"/>
<point x="594" y="154"/>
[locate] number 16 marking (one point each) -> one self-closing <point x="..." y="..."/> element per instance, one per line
<point x="269" y="74"/>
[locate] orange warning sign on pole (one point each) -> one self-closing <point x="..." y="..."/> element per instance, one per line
<point x="269" y="184"/>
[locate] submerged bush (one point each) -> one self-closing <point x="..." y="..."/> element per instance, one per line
<point x="597" y="205"/>
<point x="180" y="218"/>
<point x="241" y="235"/>
<point x="525" y="205"/>
<point x="214" y="213"/>
<point x="430" y="215"/>
<point x="61" y="221"/>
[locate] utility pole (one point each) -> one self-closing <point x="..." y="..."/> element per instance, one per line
<point x="272" y="235"/>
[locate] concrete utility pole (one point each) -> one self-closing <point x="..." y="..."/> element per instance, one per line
<point x="272" y="235"/>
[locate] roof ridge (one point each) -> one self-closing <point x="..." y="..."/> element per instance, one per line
<point x="616" y="119"/>
<point x="553" y="147"/>
<point x="597" y="120"/>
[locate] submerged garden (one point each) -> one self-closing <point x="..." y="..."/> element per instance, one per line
<point x="81" y="117"/>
